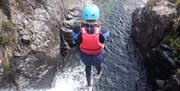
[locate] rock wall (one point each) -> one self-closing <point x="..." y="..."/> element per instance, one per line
<point x="34" y="37"/>
<point x="151" y="26"/>
<point x="151" y="23"/>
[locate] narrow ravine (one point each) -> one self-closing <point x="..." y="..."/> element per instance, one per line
<point x="123" y="69"/>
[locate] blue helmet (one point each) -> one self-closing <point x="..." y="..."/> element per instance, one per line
<point x="91" y="12"/>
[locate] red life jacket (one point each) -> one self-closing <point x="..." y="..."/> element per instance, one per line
<point x="90" y="42"/>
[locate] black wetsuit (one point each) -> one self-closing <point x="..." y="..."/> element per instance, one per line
<point x="90" y="60"/>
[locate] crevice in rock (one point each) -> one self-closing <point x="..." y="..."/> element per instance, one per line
<point x="4" y="5"/>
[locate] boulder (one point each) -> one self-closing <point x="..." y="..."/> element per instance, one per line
<point x="40" y="39"/>
<point x="150" y="27"/>
<point x="151" y="23"/>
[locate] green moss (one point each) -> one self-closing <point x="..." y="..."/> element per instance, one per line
<point x="173" y="42"/>
<point x="178" y="3"/>
<point x="7" y="33"/>
<point x="172" y="39"/>
<point x="7" y="40"/>
<point x="8" y="26"/>
<point x="7" y="62"/>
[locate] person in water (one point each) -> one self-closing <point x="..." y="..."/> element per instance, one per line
<point x="91" y="36"/>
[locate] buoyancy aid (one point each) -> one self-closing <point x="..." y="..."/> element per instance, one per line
<point x="90" y="42"/>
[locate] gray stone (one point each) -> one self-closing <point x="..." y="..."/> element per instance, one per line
<point x="39" y="22"/>
<point x="64" y="29"/>
<point x="26" y="38"/>
<point x="150" y="26"/>
<point x="41" y="14"/>
<point x="160" y="83"/>
<point x="37" y="41"/>
<point x="24" y="32"/>
<point x="150" y="23"/>
<point x="19" y="54"/>
<point x="33" y="47"/>
<point x="38" y="25"/>
<point x="69" y="16"/>
<point x="70" y="23"/>
<point x="26" y="22"/>
<point x="75" y="11"/>
<point x="46" y="43"/>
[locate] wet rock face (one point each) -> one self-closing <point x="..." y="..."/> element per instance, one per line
<point x="33" y="19"/>
<point x="43" y="37"/>
<point x="169" y="85"/>
<point x="72" y="18"/>
<point x="32" y="70"/>
<point x="4" y="5"/>
<point x="37" y="34"/>
<point x="151" y="23"/>
<point x="43" y="27"/>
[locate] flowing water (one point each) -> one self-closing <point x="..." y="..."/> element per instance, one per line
<point x="123" y="69"/>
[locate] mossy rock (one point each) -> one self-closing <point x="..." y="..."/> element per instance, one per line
<point x="8" y="26"/>
<point x="172" y="39"/>
<point x="173" y="42"/>
<point x="7" y="40"/>
<point x="178" y="3"/>
<point x="7" y="33"/>
<point x="7" y="62"/>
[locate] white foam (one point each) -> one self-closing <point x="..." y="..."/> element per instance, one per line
<point x="71" y="80"/>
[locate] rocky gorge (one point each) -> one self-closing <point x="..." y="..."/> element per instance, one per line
<point x="156" y="29"/>
<point x="35" y="36"/>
